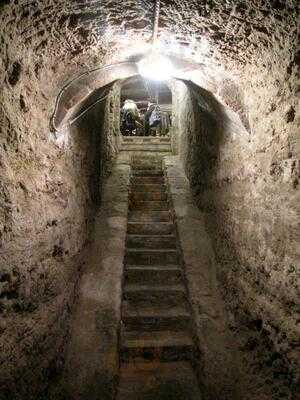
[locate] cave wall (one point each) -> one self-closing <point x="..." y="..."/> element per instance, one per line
<point x="42" y="46"/>
<point x="113" y="138"/>
<point x="52" y="186"/>
<point x="246" y="179"/>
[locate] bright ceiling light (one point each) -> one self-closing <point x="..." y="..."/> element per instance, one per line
<point x="156" y="67"/>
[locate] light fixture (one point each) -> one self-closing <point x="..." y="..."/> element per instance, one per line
<point x="156" y="67"/>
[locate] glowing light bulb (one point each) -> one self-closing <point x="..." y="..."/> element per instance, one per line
<point x="156" y="67"/>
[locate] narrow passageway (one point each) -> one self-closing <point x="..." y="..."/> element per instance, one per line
<point x="157" y="338"/>
<point x="149" y="200"/>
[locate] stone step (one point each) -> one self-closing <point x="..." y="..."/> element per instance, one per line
<point x="145" y="180"/>
<point x="146" y="142"/>
<point x="149" y="166"/>
<point x="148" y="228"/>
<point x="146" y="139"/>
<point x="148" y="196"/>
<point x="149" y="187"/>
<point x="155" y="318"/>
<point x="149" y="147"/>
<point x="164" y="295"/>
<point x="151" y="256"/>
<point x="151" y="242"/>
<point x="144" y="380"/>
<point x="149" y="216"/>
<point x="154" y="274"/>
<point x="146" y="159"/>
<point x="160" y="345"/>
<point x="149" y="205"/>
<point x="147" y="172"/>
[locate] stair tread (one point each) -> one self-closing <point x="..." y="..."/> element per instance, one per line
<point x="147" y="172"/>
<point x="150" y="212"/>
<point x="134" y="235"/>
<point x="146" y="250"/>
<point x="165" y="202"/>
<point x="158" y="381"/>
<point x="149" y="205"/>
<point x="150" y="223"/>
<point x="133" y="339"/>
<point x="149" y="196"/>
<point x="150" y="228"/>
<point x="149" y="242"/>
<point x="149" y="216"/>
<point x="148" y="184"/>
<point x="134" y="287"/>
<point x="129" y="310"/>
<point x="167" y="267"/>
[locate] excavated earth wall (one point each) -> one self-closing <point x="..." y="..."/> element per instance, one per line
<point x="47" y="182"/>
<point x="247" y="184"/>
<point x="52" y="186"/>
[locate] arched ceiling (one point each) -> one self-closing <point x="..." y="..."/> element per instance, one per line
<point x="54" y="41"/>
<point x="233" y="28"/>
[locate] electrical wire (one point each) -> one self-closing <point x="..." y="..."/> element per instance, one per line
<point x="156" y="21"/>
<point x="88" y="109"/>
<point x="53" y="126"/>
<point x="154" y="40"/>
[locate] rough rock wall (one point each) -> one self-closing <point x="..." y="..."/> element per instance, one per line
<point x="52" y="185"/>
<point x="247" y="183"/>
<point x="44" y="44"/>
<point x="112" y="115"/>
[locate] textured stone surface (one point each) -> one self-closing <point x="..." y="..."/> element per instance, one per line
<point x="91" y="365"/>
<point x="250" y="199"/>
<point x="52" y="186"/>
<point x="217" y="369"/>
<point x="45" y="182"/>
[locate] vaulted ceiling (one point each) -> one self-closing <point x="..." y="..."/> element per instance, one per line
<point x="234" y="29"/>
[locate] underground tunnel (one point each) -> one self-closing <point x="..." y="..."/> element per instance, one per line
<point x="159" y="258"/>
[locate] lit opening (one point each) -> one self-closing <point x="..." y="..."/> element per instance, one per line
<point x="156" y="67"/>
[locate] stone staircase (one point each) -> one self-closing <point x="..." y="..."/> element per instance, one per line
<point x="157" y="347"/>
<point x="146" y="144"/>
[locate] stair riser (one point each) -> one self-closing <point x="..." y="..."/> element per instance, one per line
<point x="150" y="216"/>
<point x="146" y="180"/>
<point x="149" y="324"/>
<point x="147" y="258"/>
<point x="144" y="144"/>
<point x="146" y="298"/>
<point x="159" y="380"/>
<point x="148" y="196"/>
<point x="145" y="242"/>
<point x="161" y="148"/>
<point x="148" y="188"/>
<point x="150" y="229"/>
<point x="147" y="172"/>
<point x="176" y="353"/>
<point x="149" y="205"/>
<point x="152" y="277"/>
<point x="149" y="166"/>
<point x="146" y="139"/>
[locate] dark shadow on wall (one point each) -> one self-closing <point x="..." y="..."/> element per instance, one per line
<point x="203" y="144"/>
<point x="88" y="132"/>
